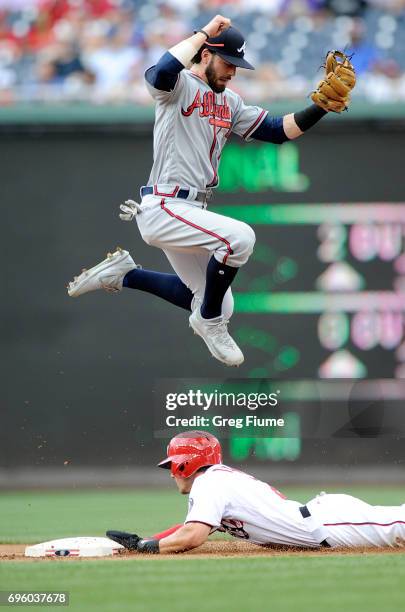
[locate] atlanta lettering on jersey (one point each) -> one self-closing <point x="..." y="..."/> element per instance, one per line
<point x="220" y="114"/>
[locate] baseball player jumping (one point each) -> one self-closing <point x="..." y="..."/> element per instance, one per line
<point x="227" y="500"/>
<point x="195" y="115"/>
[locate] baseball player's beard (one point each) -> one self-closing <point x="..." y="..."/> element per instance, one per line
<point x="212" y="78"/>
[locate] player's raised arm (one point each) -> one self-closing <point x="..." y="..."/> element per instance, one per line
<point x="280" y="129"/>
<point x="332" y="95"/>
<point x="164" y="75"/>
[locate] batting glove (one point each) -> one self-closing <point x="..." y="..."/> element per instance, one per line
<point x="129" y="210"/>
<point x="131" y="541"/>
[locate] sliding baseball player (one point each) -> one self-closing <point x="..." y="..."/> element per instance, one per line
<point x="196" y="113"/>
<point x="227" y="500"/>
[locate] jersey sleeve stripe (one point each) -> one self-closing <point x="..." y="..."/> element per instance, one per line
<point x="255" y="124"/>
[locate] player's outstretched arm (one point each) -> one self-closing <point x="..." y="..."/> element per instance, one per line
<point x="181" y="538"/>
<point x="288" y="127"/>
<point x="187" y="537"/>
<point x="332" y="95"/>
<point x="164" y="75"/>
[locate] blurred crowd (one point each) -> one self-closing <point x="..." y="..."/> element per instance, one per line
<point x="98" y="50"/>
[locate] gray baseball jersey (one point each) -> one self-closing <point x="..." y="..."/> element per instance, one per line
<point x="192" y="125"/>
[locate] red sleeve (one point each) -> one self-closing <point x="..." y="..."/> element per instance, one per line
<point x="164" y="534"/>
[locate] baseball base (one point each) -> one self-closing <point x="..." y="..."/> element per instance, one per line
<point x="75" y="547"/>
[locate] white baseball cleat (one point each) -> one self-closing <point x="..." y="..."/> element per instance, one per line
<point x="215" y="334"/>
<point x="108" y="274"/>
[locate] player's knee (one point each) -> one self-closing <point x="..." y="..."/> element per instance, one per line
<point x="244" y="244"/>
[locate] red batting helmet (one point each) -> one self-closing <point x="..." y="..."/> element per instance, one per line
<point x="191" y="450"/>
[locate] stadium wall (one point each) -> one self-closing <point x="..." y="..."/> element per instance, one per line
<point x="79" y="376"/>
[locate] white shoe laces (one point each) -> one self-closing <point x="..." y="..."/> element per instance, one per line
<point x="220" y="332"/>
<point x="109" y="283"/>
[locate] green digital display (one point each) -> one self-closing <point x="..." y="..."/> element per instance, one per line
<point x="324" y="289"/>
<point x="269" y="448"/>
<point x="261" y="167"/>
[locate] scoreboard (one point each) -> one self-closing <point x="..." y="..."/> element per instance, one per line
<point x="326" y="282"/>
<point x="323" y="295"/>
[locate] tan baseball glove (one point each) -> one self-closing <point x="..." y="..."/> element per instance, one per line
<point x="333" y="92"/>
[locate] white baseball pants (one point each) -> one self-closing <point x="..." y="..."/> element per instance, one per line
<point x="189" y="235"/>
<point x="351" y="522"/>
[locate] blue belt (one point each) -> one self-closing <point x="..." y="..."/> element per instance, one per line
<point x="201" y="196"/>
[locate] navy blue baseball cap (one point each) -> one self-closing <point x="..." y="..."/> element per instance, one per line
<point x="231" y="46"/>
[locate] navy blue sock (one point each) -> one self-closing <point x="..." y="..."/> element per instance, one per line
<point x="218" y="280"/>
<point x="166" y="286"/>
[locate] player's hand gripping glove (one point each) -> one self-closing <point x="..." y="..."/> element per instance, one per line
<point x="129" y="210"/>
<point x="333" y="92"/>
<point x="131" y="541"/>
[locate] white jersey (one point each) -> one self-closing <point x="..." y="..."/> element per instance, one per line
<point x="229" y="500"/>
<point x="192" y="124"/>
<point x="235" y="502"/>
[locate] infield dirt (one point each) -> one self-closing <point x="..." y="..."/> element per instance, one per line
<point x="217" y="549"/>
